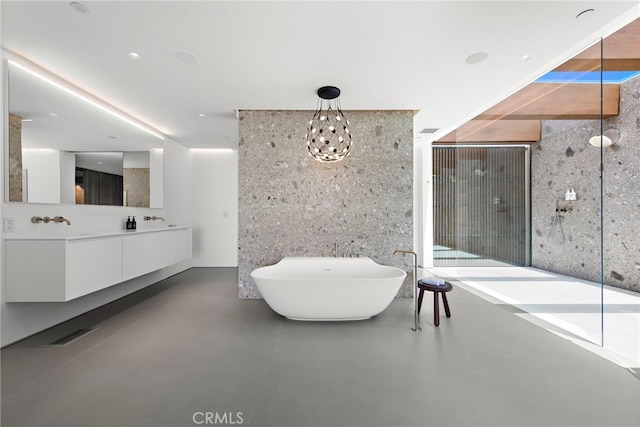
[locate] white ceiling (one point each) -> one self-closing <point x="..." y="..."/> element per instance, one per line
<point x="274" y="55"/>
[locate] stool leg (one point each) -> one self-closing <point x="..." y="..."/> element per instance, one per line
<point x="420" y="295"/>
<point x="436" y="309"/>
<point x="446" y="304"/>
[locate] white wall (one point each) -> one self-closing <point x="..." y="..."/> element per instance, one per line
<point x="20" y="320"/>
<point x="177" y="184"/>
<point x="215" y="208"/>
<point x="423" y="203"/>
<point x="67" y="177"/>
<point x="43" y="174"/>
<point x="156" y="177"/>
<point x="135" y="159"/>
<point x="214" y="180"/>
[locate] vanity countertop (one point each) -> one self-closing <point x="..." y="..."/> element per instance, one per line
<point x="82" y="236"/>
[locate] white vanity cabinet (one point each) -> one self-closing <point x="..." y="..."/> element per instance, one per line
<point x="57" y="269"/>
<point x="144" y="253"/>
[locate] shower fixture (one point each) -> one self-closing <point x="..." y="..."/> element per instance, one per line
<point x="607" y="139"/>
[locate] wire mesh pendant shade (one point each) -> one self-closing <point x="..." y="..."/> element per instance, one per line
<point x="328" y="135"/>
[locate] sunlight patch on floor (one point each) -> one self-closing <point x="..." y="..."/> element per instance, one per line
<point x="570" y="304"/>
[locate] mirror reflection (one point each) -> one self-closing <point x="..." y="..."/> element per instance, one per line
<point x="63" y="150"/>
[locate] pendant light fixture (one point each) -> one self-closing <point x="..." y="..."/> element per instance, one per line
<point x="328" y="136"/>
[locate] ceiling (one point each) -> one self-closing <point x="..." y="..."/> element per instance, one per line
<point x="266" y="55"/>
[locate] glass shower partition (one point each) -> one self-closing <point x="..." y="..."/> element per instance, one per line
<point x="617" y="146"/>
<point x="567" y="236"/>
<point x="540" y="199"/>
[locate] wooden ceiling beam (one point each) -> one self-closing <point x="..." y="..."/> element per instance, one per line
<point x="609" y="64"/>
<point x="548" y="101"/>
<point x="621" y="52"/>
<point x="495" y="131"/>
<point x="517" y="118"/>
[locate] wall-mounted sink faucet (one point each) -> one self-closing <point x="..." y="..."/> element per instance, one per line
<point x="153" y="218"/>
<point x="58" y="219"/>
<point x="46" y="220"/>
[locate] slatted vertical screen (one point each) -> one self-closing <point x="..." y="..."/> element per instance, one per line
<point x="480" y="205"/>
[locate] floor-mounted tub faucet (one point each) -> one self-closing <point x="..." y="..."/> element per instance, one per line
<point x="416" y="319"/>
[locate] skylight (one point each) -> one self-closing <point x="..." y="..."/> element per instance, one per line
<point x="587" y="77"/>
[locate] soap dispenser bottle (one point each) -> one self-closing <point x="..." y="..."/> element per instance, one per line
<point x="128" y="223"/>
<point x="133" y="223"/>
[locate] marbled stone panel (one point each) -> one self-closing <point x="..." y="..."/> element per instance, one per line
<point x="15" y="158"/>
<point x="136" y="184"/>
<point x="293" y="205"/>
<point x="570" y="243"/>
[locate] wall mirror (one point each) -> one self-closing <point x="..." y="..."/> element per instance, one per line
<point x="63" y="150"/>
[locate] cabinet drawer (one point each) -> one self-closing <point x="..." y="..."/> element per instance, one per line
<point x="93" y="265"/>
<point x="144" y="253"/>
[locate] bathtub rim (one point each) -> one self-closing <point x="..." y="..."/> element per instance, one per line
<point x="304" y="275"/>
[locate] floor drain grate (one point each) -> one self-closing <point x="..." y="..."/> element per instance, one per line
<point x="69" y="338"/>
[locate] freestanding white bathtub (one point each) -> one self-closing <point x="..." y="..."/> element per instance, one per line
<point x="323" y="288"/>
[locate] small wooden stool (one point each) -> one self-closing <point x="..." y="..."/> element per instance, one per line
<point x="436" y="289"/>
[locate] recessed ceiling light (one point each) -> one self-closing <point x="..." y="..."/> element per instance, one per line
<point x="135" y="56"/>
<point x="202" y="115"/>
<point x="185" y="56"/>
<point x="53" y="114"/>
<point x="476" y="58"/>
<point x="526" y="57"/>
<point x="100" y="163"/>
<point x="79" y="7"/>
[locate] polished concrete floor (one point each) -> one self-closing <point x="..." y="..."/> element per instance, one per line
<point x="187" y="349"/>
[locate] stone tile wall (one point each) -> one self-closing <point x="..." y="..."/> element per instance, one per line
<point x="136" y="184"/>
<point x="15" y="158"/>
<point x="565" y="159"/>
<point x="293" y="205"/>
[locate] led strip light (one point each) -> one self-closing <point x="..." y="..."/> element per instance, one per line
<point x="107" y="108"/>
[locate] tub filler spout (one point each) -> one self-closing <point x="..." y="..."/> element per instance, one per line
<point x="416" y="320"/>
